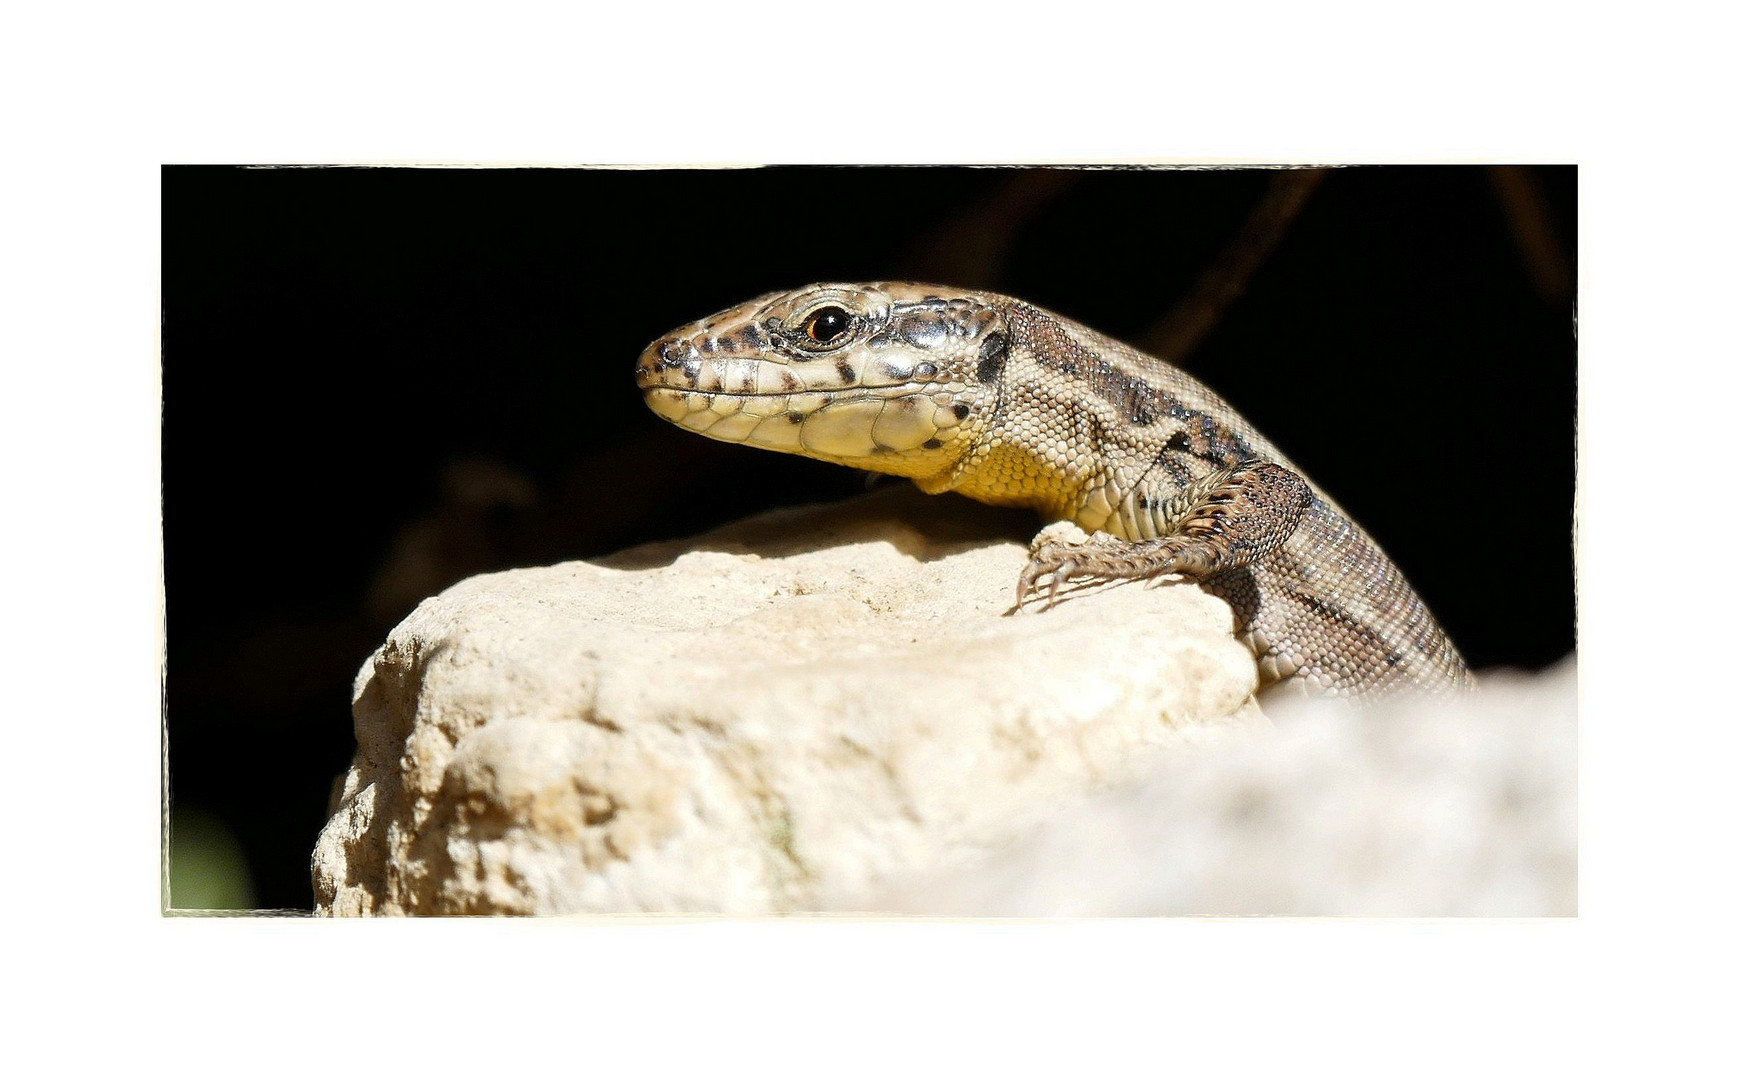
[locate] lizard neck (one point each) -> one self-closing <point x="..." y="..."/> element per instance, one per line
<point x="1005" y="466"/>
<point x="1008" y="474"/>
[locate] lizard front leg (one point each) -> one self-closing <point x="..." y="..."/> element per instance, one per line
<point x="1230" y="518"/>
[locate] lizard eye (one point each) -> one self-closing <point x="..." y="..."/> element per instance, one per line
<point x="828" y="325"/>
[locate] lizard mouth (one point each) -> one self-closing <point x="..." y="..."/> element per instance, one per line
<point x="698" y="409"/>
<point x="885" y="429"/>
<point x="825" y="395"/>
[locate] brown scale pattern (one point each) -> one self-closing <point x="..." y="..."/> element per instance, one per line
<point x="1323" y="605"/>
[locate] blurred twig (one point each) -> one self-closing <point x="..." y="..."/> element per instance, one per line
<point x="1530" y="222"/>
<point x="973" y="249"/>
<point x="1193" y="317"/>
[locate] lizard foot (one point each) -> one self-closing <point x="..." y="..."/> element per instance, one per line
<point x="1106" y="558"/>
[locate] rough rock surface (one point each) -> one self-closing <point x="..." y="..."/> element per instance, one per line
<point x="789" y="714"/>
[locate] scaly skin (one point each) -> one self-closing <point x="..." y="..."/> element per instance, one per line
<point x="1012" y="405"/>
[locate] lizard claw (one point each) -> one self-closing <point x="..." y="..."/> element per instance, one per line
<point x="1043" y="560"/>
<point x="1028" y="577"/>
<point x="1058" y="576"/>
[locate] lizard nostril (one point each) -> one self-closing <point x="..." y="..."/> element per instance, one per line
<point x="675" y="353"/>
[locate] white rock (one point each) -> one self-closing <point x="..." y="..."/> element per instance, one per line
<point x="1421" y="808"/>
<point x="793" y="713"/>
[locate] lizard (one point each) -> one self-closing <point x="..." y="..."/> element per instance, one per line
<point x="1011" y="404"/>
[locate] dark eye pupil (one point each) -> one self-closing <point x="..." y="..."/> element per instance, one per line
<point x="828" y="323"/>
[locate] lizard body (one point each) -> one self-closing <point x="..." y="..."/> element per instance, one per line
<point x="1013" y="405"/>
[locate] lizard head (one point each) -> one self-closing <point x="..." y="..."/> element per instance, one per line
<point x="893" y="377"/>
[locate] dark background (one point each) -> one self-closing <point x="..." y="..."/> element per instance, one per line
<point x="379" y="381"/>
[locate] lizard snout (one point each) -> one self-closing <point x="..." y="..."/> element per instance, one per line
<point x="669" y="361"/>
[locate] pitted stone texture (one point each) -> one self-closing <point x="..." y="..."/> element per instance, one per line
<point x="779" y="716"/>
